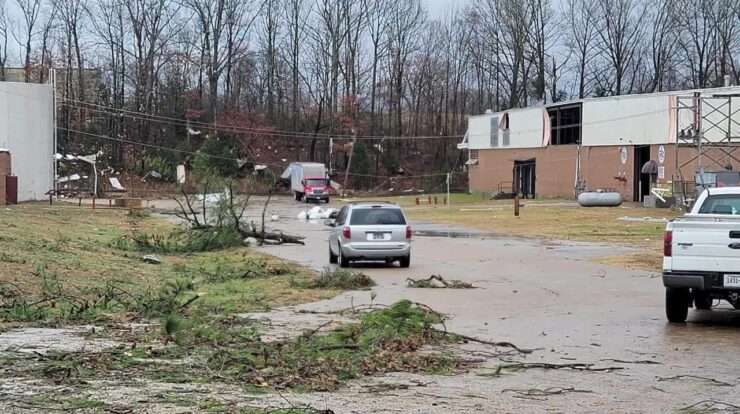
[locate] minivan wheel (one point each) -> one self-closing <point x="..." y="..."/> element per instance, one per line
<point x="702" y="300"/>
<point x="343" y="260"/>
<point x="333" y="259"/>
<point x="677" y="304"/>
<point x="405" y="261"/>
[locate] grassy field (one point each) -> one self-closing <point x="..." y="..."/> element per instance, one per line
<point x="75" y="250"/>
<point x="557" y="219"/>
<point x="175" y="318"/>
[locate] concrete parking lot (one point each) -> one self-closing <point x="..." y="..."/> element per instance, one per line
<point x="545" y="295"/>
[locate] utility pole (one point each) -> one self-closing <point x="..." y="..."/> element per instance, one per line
<point x="349" y="162"/>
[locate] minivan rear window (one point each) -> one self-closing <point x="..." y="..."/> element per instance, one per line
<point x="721" y="204"/>
<point x="377" y="217"/>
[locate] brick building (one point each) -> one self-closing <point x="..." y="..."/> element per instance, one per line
<point x="626" y="143"/>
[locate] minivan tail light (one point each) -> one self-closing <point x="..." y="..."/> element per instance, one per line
<point x="668" y="244"/>
<point x="346" y="233"/>
<point x="408" y="232"/>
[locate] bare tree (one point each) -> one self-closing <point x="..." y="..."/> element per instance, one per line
<point x="4" y="23"/>
<point x="621" y="27"/>
<point x="581" y="36"/>
<point x="540" y="37"/>
<point x="297" y="17"/>
<point x="663" y="41"/>
<point x="30" y="10"/>
<point x="377" y="25"/>
<point x="698" y="39"/>
<point x="269" y="41"/>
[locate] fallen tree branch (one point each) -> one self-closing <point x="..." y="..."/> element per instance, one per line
<point x="710" y="405"/>
<point x="544" y="365"/>
<point x="485" y="342"/>
<point x="710" y="380"/>
<point x="443" y="283"/>
<point x="534" y="392"/>
<point x="639" y="361"/>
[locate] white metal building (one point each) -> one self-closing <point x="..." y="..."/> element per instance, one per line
<point x="27" y="131"/>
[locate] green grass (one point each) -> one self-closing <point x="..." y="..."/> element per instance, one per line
<point x="63" y="266"/>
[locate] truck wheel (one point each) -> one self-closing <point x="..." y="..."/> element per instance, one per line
<point x="702" y="300"/>
<point x="343" y="260"/>
<point x="677" y="304"/>
<point x="405" y="261"/>
<point x="333" y="259"/>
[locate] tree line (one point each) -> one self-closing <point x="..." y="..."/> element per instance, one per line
<point x="273" y="79"/>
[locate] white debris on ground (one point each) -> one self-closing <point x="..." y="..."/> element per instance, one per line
<point x="151" y="259"/>
<point x="215" y="197"/>
<point x="316" y="213"/>
<point x="275" y="218"/>
<point x="42" y="340"/>
<point x="643" y="219"/>
<point x="251" y="242"/>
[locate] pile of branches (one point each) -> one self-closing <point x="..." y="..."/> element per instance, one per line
<point x="437" y="281"/>
<point x="228" y="213"/>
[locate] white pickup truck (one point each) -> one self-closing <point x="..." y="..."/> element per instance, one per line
<point x="701" y="254"/>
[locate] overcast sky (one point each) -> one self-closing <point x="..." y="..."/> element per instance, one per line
<point x="437" y="8"/>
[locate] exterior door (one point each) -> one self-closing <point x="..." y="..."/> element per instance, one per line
<point x="525" y="178"/>
<point x="11" y="189"/>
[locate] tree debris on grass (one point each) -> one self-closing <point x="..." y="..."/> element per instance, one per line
<point x="336" y="279"/>
<point x="437" y="281"/>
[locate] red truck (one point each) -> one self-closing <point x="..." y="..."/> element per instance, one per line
<point x="308" y="181"/>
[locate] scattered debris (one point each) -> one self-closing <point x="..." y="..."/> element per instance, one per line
<point x="151" y="259"/>
<point x="711" y="381"/>
<point x="707" y="406"/>
<point x="534" y="392"/>
<point x="336" y="279"/>
<point x="518" y="366"/>
<point x="274" y="218"/>
<point x="437" y="281"/>
<point x="641" y="361"/>
<point x="251" y="242"/>
<point x="317" y="213"/>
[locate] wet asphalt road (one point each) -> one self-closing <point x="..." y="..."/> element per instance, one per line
<point x="546" y="295"/>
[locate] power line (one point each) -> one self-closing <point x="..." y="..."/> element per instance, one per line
<point x="231" y="128"/>
<point x="105" y="137"/>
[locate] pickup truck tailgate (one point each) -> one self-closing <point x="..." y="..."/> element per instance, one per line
<point x="706" y="243"/>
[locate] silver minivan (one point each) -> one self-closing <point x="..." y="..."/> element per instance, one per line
<point x="370" y="231"/>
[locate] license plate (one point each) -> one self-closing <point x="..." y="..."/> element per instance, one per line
<point x="376" y="236"/>
<point x="732" y="281"/>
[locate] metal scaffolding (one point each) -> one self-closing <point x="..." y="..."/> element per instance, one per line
<point x="710" y="125"/>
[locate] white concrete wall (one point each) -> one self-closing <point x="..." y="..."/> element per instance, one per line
<point x="26" y="129"/>
<point x="525" y="129"/>
<point x="479" y="131"/>
<point x="626" y="121"/>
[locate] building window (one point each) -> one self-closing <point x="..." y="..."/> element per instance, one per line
<point x="472" y="158"/>
<point x="494" y="132"/>
<point x="565" y="125"/>
<point x="505" y="128"/>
